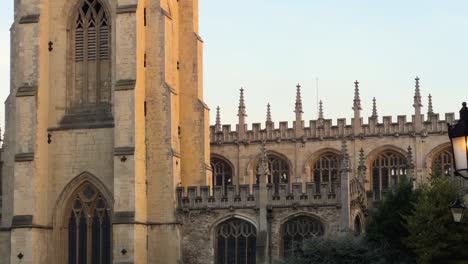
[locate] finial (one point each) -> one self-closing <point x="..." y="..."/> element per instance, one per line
<point x="218" y="120"/>
<point x="417" y="94"/>
<point x="320" y="114"/>
<point x="298" y="99"/>
<point x="344" y="154"/>
<point x="362" y="160"/>
<point x="242" y="111"/>
<point x="357" y="99"/>
<point x="264" y="159"/>
<point x="268" y="117"/>
<point x="430" y="110"/>
<point x="362" y="165"/>
<point x="374" y="108"/>
<point x="410" y="157"/>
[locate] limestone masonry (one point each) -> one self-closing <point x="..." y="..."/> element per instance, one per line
<point x="108" y="156"/>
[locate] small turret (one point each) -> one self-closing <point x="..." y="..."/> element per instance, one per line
<point x="374" y="109"/>
<point x="430" y="109"/>
<point x="242" y="115"/>
<point x="357" y="110"/>
<point x="417" y="124"/>
<point x="268" y="115"/>
<point x="298" y="110"/>
<point x="218" y="120"/>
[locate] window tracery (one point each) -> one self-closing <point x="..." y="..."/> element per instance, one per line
<point x="278" y="168"/>
<point x="236" y="242"/>
<point x="325" y="170"/>
<point x="222" y="173"/>
<point x="444" y="161"/>
<point x="90" y="84"/>
<point x="298" y="229"/>
<point x="89" y="228"/>
<point x="387" y="168"/>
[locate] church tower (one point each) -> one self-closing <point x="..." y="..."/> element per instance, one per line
<point x="105" y="118"/>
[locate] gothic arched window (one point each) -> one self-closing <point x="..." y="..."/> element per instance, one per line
<point x="444" y="162"/>
<point x="236" y="242"/>
<point x="89" y="91"/>
<point x="222" y="173"/>
<point x="325" y="170"/>
<point x="278" y="168"/>
<point x="298" y="229"/>
<point x="386" y="169"/>
<point x="89" y="228"/>
<point x="444" y="159"/>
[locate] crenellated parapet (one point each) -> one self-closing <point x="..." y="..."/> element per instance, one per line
<point x="241" y="197"/>
<point x="322" y="128"/>
<point x="329" y="129"/>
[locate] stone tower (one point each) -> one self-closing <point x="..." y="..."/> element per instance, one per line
<point x="105" y="118"/>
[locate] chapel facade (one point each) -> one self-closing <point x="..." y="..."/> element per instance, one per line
<point x="108" y="156"/>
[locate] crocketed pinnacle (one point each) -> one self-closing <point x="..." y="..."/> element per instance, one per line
<point x="268" y="116"/>
<point x="298" y="99"/>
<point x="410" y="157"/>
<point x="320" y="113"/>
<point x="357" y="99"/>
<point x="218" y="119"/>
<point x="430" y="109"/>
<point x="417" y="94"/>
<point x="242" y="111"/>
<point x="362" y="159"/>
<point x="263" y="159"/>
<point x="374" y="108"/>
<point x="344" y="155"/>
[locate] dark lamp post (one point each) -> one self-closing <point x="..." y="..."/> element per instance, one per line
<point x="457" y="210"/>
<point x="458" y="135"/>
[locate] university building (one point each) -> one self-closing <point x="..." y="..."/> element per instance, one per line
<point x="108" y="156"/>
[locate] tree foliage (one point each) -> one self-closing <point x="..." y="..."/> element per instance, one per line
<point x="433" y="234"/>
<point x="343" y="250"/>
<point x="387" y="223"/>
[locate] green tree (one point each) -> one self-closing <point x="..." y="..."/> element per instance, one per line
<point x="387" y="223"/>
<point x="342" y="250"/>
<point x="433" y="235"/>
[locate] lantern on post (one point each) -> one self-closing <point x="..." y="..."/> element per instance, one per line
<point x="457" y="209"/>
<point x="458" y="135"/>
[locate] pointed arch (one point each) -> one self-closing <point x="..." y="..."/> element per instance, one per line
<point x="296" y="228"/>
<point x="281" y="163"/>
<point x="89" y="62"/>
<point x="84" y="188"/>
<point x="223" y="171"/>
<point x="234" y="239"/>
<point x="432" y="155"/>
<point x="308" y="164"/>
<point x="323" y="167"/>
<point x="386" y="165"/>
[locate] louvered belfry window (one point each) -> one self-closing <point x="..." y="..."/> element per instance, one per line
<point x="89" y="228"/>
<point x="91" y="90"/>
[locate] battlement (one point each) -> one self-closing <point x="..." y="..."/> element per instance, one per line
<point x="321" y="129"/>
<point x="237" y="197"/>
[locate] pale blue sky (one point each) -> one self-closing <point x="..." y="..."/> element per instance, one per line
<point x="268" y="46"/>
